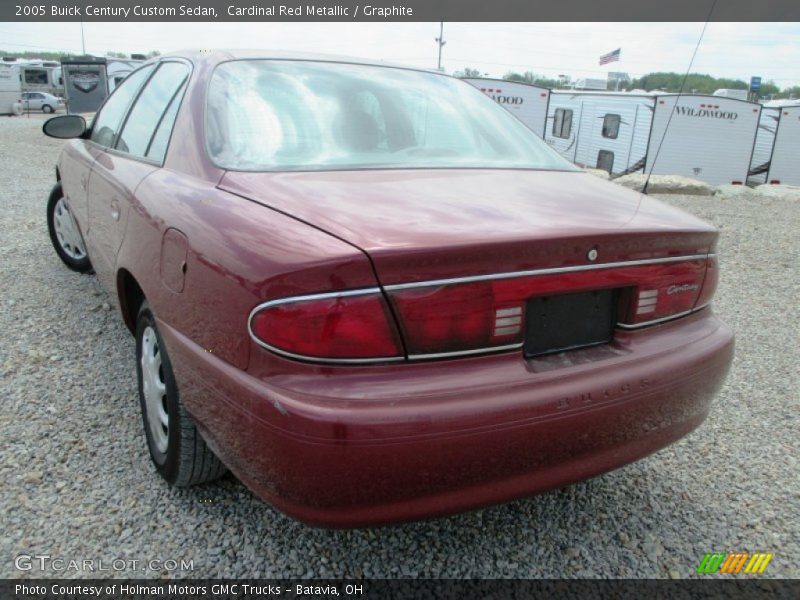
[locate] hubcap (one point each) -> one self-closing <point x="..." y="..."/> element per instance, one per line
<point x="155" y="390"/>
<point x="69" y="238"/>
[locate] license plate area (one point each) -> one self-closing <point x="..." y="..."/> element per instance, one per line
<point x="569" y="321"/>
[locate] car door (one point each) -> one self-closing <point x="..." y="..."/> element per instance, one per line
<point x="129" y="158"/>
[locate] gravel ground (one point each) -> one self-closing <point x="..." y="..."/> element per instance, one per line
<point x="78" y="483"/>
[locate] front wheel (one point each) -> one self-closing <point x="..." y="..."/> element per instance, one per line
<point x="47" y="108"/>
<point x="177" y="449"/>
<point x="64" y="233"/>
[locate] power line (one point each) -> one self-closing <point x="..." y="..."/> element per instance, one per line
<point x="675" y="104"/>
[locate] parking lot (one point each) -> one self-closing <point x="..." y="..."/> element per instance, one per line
<point x="78" y="482"/>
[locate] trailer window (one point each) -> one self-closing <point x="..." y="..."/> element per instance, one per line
<point x="605" y="160"/>
<point x="37" y="76"/>
<point x="611" y="126"/>
<point x="281" y="115"/>
<point x="562" y="123"/>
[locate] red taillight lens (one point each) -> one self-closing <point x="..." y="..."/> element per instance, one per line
<point x="671" y="291"/>
<point x="464" y="317"/>
<point x="351" y="325"/>
<point x="446" y="318"/>
<point x="709" y="283"/>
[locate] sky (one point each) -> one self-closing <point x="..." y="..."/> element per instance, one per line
<point x="737" y="50"/>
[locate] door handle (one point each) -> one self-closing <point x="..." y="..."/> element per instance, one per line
<point x="83" y="180"/>
<point x="115" y="209"/>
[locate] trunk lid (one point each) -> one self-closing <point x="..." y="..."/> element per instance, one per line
<point x="420" y="225"/>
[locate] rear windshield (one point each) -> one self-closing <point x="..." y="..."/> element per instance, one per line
<point x="279" y="115"/>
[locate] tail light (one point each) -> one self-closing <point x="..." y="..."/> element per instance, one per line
<point x="488" y="313"/>
<point x="339" y="327"/>
<point x="473" y="314"/>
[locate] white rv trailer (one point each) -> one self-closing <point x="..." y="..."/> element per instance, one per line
<point x="40" y="76"/>
<point x="784" y="166"/>
<point x="731" y="93"/>
<point x="10" y="91"/>
<point x="602" y="130"/>
<point x="526" y="101"/>
<point x="709" y="138"/>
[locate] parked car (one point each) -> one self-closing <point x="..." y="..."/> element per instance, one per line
<point x="41" y="101"/>
<point x="373" y="293"/>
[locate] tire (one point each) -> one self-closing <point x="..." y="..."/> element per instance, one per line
<point x="177" y="449"/>
<point x="64" y="233"/>
<point x="47" y="108"/>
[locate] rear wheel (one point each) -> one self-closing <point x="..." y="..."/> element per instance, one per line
<point x="177" y="449"/>
<point x="47" y="108"/>
<point x="64" y="233"/>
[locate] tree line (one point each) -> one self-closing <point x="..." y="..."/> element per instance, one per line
<point x="696" y="83"/>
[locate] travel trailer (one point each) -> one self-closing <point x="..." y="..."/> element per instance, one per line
<point x="704" y="137"/>
<point x="39" y="76"/>
<point x="783" y="164"/>
<point x="85" y="83"/>
<point x="526" y="101"/>
<point x="10" y="91"/>
<point x="602" y="130"/>
<point x="731" y="93"/>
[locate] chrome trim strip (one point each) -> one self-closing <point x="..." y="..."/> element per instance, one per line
<point x="465" y="352"/>
<point x="550" y="271"/>
<point x="316" y="359"/>
<point x="662" y="319"/>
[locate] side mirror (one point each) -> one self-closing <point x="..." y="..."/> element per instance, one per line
<point x="65" y="127"/>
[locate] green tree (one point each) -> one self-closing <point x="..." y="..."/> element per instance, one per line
<point x="468" y="72"/>
<point x="790" y="92"/>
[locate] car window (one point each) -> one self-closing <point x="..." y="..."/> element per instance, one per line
<point x="158" y="145"/>
<point x="106" y="124"/>
<point x="278" y="115"/>
<point x="150" y="106"/>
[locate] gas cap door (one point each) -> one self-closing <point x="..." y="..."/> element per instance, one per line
<point x="174" y="247"/>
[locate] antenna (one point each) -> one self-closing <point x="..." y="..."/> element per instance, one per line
<point x="440" y="41"/>
<point x="674" y="106"/>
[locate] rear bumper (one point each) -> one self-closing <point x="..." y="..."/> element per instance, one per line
<point x="349" y="446"/>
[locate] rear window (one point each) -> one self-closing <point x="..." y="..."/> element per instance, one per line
<point x="275" y="115"/>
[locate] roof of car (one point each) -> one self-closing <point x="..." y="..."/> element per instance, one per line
<point x="221" y="55"/>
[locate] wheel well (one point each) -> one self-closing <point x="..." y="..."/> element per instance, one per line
<point x="131" y="297"/>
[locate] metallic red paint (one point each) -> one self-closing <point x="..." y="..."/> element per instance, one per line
<point x="362" y="444"/>
<point x="355" y="446"/>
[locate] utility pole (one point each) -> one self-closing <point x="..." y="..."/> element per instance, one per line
<point x="83" y="40"/>
<point x="440" y="41"/>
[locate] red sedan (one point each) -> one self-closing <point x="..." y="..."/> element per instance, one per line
<point x="375" y="295"/>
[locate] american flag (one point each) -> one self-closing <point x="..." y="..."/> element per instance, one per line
<point x="610" y="57"/>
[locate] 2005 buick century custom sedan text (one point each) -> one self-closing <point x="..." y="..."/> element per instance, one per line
<point x="373" y="293"/>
